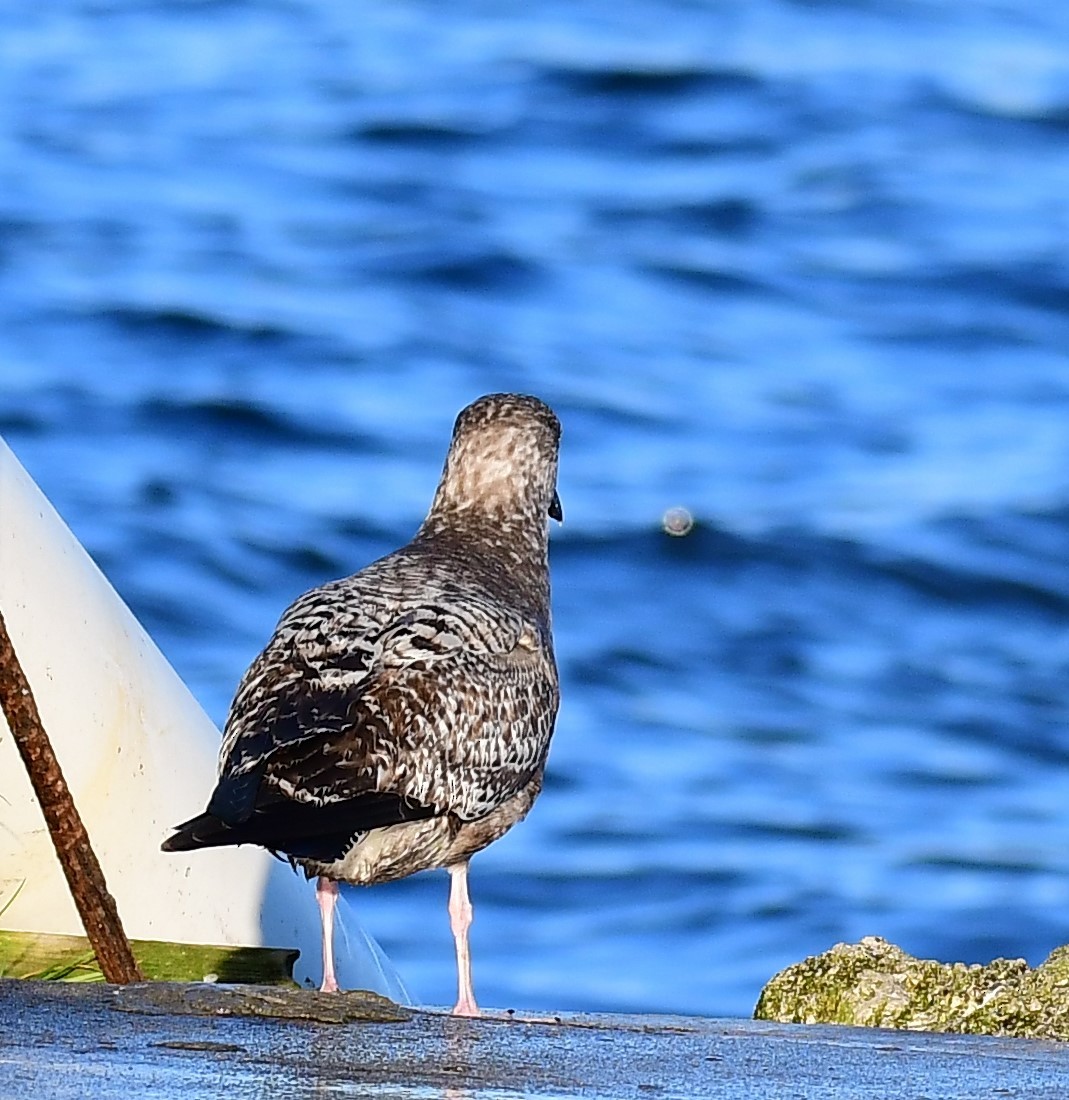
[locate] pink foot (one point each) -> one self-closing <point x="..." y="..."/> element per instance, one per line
<point x="466" y="1008"/>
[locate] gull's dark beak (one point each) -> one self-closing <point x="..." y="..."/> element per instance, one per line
<point x="555" y="510"/>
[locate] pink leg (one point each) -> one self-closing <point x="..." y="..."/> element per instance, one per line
<point x="460" y="918"/>
<point x="327" y="897"/>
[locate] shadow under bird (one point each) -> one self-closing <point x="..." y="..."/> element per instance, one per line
<point x="399" y="719"/>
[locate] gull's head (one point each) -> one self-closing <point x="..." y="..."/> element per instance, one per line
<point x="502" y="461"/>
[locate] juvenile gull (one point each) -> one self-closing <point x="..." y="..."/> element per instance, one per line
<point x="399" y="719"/>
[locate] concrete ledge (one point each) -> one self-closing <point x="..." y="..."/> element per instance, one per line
<point x="155" y="1041"/>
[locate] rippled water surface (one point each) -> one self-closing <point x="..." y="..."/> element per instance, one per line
<point x="798" y="268"/>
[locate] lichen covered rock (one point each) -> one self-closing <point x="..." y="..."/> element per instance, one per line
<point x="876" y="984"/>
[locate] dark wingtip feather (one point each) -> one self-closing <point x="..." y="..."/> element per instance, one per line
<point x="205" y="831"/>
<point x="300" y="828"/>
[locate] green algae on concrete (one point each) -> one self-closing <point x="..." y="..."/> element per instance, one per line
<point x="876" y="984"/>
<point x="70" y="958"/>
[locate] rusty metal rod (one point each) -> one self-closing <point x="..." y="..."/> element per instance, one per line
<point x="96" y="906"/>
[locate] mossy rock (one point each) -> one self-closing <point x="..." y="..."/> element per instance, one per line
<point x="876" y="984"/>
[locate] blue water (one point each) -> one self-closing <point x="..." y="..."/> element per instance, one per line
<point x="798" y="268"/>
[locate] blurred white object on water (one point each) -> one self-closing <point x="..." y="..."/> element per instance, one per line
<point x="139" y="755"/>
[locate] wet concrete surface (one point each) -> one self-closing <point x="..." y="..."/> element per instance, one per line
<point x="159" y="1040"/>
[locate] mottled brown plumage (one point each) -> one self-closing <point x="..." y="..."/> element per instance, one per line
<point x="399" y="719"/>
